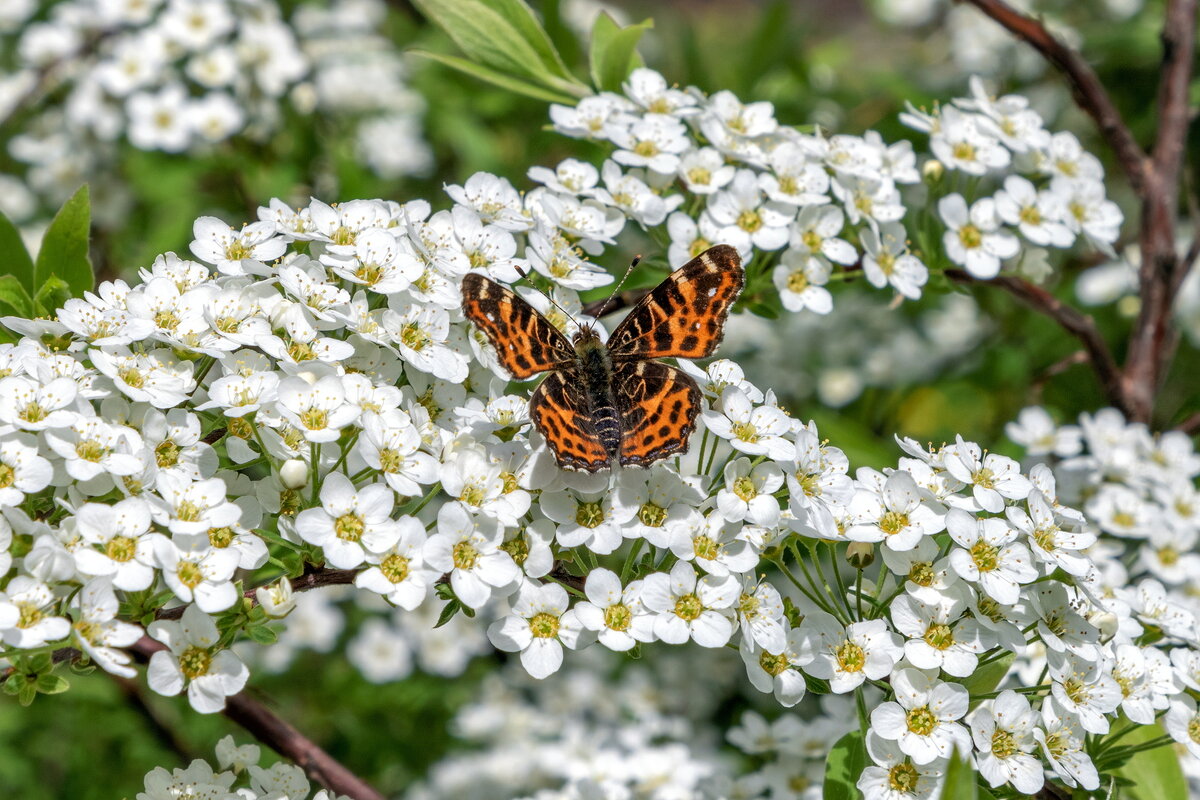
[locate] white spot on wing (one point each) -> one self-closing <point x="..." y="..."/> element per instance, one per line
<point x="712" y="292"/>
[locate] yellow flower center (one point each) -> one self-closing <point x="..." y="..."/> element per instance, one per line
<point x="349" y="527"/>
<point x="195" y="662"/>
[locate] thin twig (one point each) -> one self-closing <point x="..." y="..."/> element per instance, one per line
<point x="1085" y="85"/>
<point x="284" y="739"/>
<point x="1070" y="319"/>
<point x="315" y="579"/>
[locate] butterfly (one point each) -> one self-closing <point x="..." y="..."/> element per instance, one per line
<point x="609" y="401"/>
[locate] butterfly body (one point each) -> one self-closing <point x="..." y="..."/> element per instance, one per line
<point x="606" y="402"/>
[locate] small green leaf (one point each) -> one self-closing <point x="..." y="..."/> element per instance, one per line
<point x="52" y="684"/>
<point x="1153" y="774"/>
<point x="64" y="251"/>
<point x="262" y="634"/>
<point x="496" y="78"/>
<point x="27" y="693"/>
<point x="986" y="678"/>
<point x="490" y="40"/>
<point x="959" y="783"/>
<point x="13" y="297"/>
<point x="53" y="292"/>
<point x="448" y="612"/>
<point x="614" y="51"/>
<point x="14" y="258"/>
<point x="843" y="766"/>
<point x="522" y="18"/>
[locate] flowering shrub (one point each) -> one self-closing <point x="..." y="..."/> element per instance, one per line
<point x="185" y="460"/>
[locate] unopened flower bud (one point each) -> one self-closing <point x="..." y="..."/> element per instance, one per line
<point x="860" y="555"/>
<point x="294" y="474"/>
<point x="276" y="600"/>
<point x="1107" y="622"/>
<point x="933" y="170"/>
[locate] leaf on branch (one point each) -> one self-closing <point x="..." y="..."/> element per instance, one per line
<point x="614" y="51"/>
<point x="13" y="255"/>
<point x="64" y="251"/>
<point x="844" y="764"/>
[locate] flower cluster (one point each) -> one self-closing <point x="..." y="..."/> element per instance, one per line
<point x="817" y="208"/>
<point x="240" y="776"/>
<point x="184" y="75"/>
<point x="305" y="398"/>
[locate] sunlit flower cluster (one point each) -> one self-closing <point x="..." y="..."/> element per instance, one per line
<point x="304" y="397"/>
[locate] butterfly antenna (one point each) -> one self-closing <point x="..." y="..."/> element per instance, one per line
<point x="553" y="302"/>
<point x="636" y="260"/>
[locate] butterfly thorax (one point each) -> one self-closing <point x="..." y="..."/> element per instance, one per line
<point x="596" y="371"/>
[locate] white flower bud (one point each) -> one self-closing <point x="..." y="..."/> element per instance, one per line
<point x="294" y="474"/>
<point x="1107" y="622"/>
<point x="276" y="600"/>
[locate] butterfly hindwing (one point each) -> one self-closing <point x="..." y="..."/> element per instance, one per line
<point x="684" y="316"/>
<point x="658" y="405"/>
<point x="525" y="341"/>
<point x="561" y="412"/>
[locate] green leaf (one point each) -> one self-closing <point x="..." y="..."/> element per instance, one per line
<point x="843" y="766"/>
<point x="52" y="684"/>
<point x="14" y="298"/>
<point x="521" y="16"/>
<point x="64" y="251"/>
<point x="14" y="258"/>
<point x="988" y="677"/>
<point x="54" y="291"/>
<point x="448" y="612"/>
<point x="490" y="40"/>
<point x="960" y="781"/>
<point x="262" y="634"/>
<point x="1153" y="774"/>
<point x="496" y="78"/>
<point x="614" y="51"/>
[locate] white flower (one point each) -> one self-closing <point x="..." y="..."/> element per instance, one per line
<point x="100" y="633"/>
<point x="538" y="628"/>
<point x="1050" y="544"/>
<point x="196" y="571"/>
<point x="1085" y="690"/>
<point x="894" y="513"/>
<point x="993" y="478"/>
<point x="960" y="144"/>
<point x="974" y="239"/>
<point x="591" y="519"/>
<point x="1035" y="430"/>
<point x="276" y="600"/>
<point x="990" y="555"/>
<point x="22" y="470"/>
<point x="715" y="545"/>
<point x="886" y="260"/>
<point x="197" y="780"/>
<point x="494" y="199"/>
<point x="654" y="141"/>
<point x="27" y="618"/>
<point x="815" y="231"/>
<point x="1003" y="734"/>
<point x="703" y="171"/>
<point x="755" y="430"/>
<point x="381" y="262"/>
<point x="895" y="776"/>
<point x="399" y="572"/>
<point x="1089" y="212"/>
<point x="1181" y="722"/>
<point x="660" y="501"/>
<point x="749" y="492"/>
<point x="616" y="615"/>
<point x="1037" y="215"/>
<point x="319" y="410"/>
<point x="760" y="615"/>
<point x="685" y="608"/>
<point x="1064" y="749"/>
<point x="33" y="406"/>
<point x="740" y="210"/>
<point x="776" y="673"/>
<point x="159" y="121"/>
<point x="391" y="446"/>
<point x="237" y="252"/>
<point x="469" y="549"/>
<point x="847" y="656"/>
<point x="923" y="717"/>
<point x="350" y="522"/>
<point x="119" y="547"/>
<point x="801" y="281"/>
<point x="193" y="660"/>
<point x="939" y="635"/>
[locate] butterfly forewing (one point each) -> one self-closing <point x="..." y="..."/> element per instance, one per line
<point x="561" y="412"/>
<point x="658" y="405"/>
<point x="684" y="316"/>
<point x="525" y="341"/>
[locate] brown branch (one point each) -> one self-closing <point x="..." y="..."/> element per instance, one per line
<point x="314" y="579"/>
<point x="1070" y="319"/>
<point x="1085" y="85"/>
<point x="1174" y="115"/>
<point x="284" y="739"/>
<point x="1190" y="425"/>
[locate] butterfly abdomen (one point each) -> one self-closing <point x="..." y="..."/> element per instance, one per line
<point x="595" y="367"/>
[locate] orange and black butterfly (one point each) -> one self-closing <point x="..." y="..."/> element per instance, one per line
<point x="606" y="401"/>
